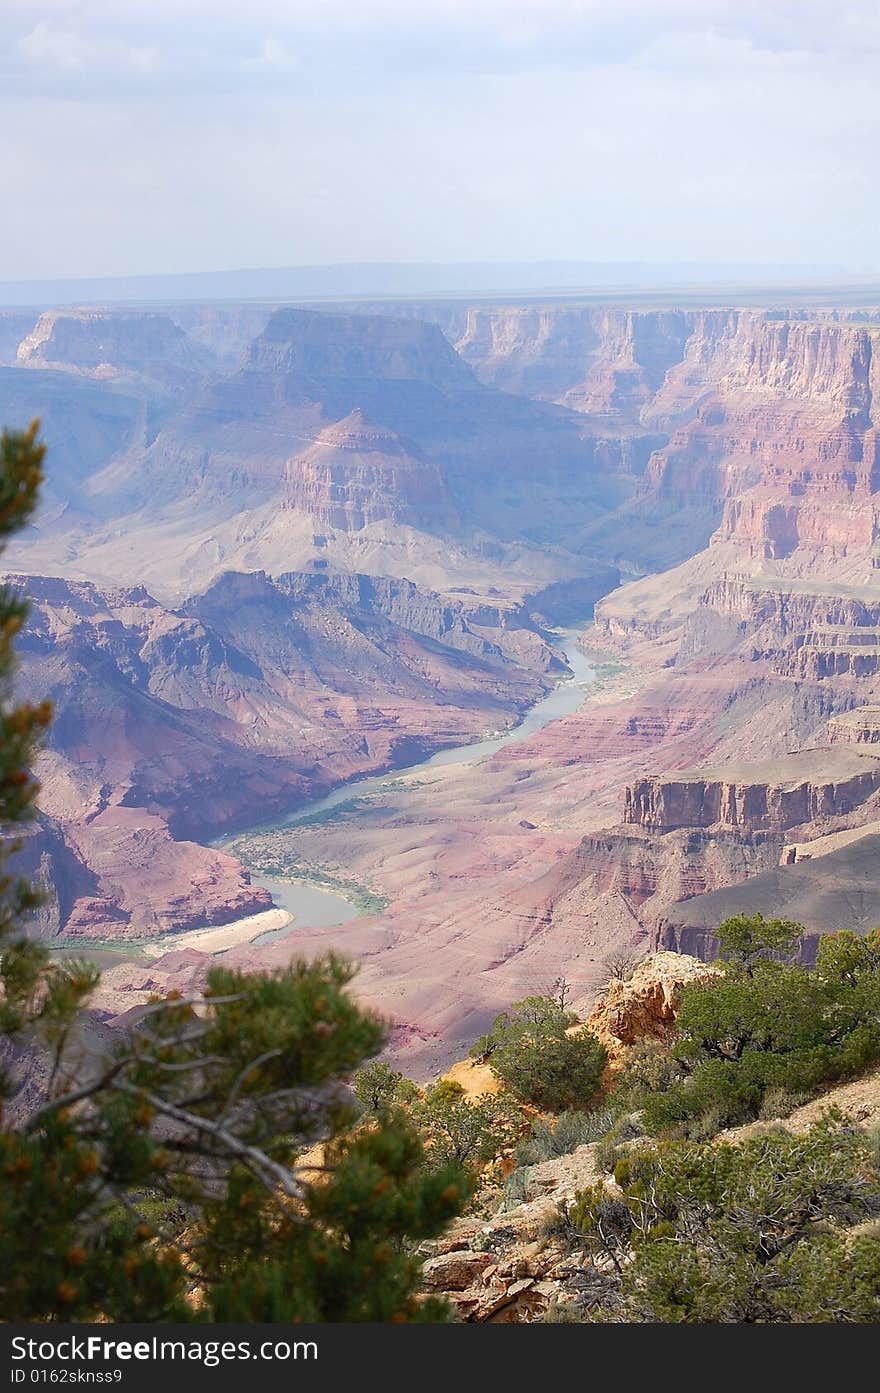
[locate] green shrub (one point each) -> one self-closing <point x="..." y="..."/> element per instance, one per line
<point x="516" y="1189"/>
<point x="765" y="1231"/>
<point x="530" y="1050"/>
<point x="564" y="1134"/>
<point x="562" y="1313"/>
<point x="780" y="1102"/>
<point x="607" y="1154"/>
<point x="649" y="1066"/>
<point x="532" y="1015"/>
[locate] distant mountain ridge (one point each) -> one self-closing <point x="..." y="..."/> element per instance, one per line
<point x="365" y="279"/>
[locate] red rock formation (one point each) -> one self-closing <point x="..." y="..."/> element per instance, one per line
<point x="783" y="437"/>
<point x="355" y="474"/>
<point x="806" y="787"/>
<point x="645" y="1006"/>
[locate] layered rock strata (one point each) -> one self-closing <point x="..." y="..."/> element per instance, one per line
<point x="809" y="786"/>
<point x="858" y="727"/>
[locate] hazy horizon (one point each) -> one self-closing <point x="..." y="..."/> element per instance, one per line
<point x="329" y="132"/>
<point x="394" y="283"/>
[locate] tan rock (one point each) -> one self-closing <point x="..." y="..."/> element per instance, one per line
<point x="454" y="1271"/>
<point x="522" y="1285"/>
<point x="645" y="1007"/>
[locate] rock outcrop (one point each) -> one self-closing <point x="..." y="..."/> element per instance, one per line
<point x="89" y="422"/>
<point x="506" y="1269"/>
<point x="858" y="727"/>
<point x="645" y="1005"/>
<point x="796" y="628"/>
<point x="27" y="1065"/>
<point x="572" y="601"/>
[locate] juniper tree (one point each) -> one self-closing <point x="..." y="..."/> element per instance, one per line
<point x="536" y="1052"/>
<point x="747" y="939"/>
<point x="26" y="989"/>
<point x="211" y="1164"/>
<point x="380" y="1089"/>
<point x="470" y="1132"/>
<point x="777" y="1228"/>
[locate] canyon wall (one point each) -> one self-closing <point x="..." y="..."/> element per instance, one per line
<point x="806" y="787"/>
<point x="620" y="436"/>
<point x="108" y="341"/>
<point x="757" y="423"/>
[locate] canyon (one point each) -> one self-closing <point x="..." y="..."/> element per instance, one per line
<point x="283" y="548"/>
<point x="170" y="725"/>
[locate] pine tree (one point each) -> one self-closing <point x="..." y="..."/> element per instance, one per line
<point x="26" y="989"/>
<point x="211" y="1165"/>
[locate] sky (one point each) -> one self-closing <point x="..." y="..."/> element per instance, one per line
<point x="153" y="136"/>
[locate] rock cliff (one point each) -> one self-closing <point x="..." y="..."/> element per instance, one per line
<point x="833" y="891"/>
<point x="14" y="326"/>
<point x="761" y="421"/>
<point x="806" y="787"/>
<point x="859" y="727"/>
<point x="605" y="362"/>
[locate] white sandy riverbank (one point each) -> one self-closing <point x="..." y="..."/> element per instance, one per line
<point x="217" y="939"/>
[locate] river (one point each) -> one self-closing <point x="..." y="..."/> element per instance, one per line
<point x="317" y="907"/>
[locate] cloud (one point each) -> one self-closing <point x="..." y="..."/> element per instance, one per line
<point x="275" y="55"/>
<point x="68" y="52"/>
<point x="207" y="45"/>
<point x="455" y="129"/>
<point x="778" y="23"/>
